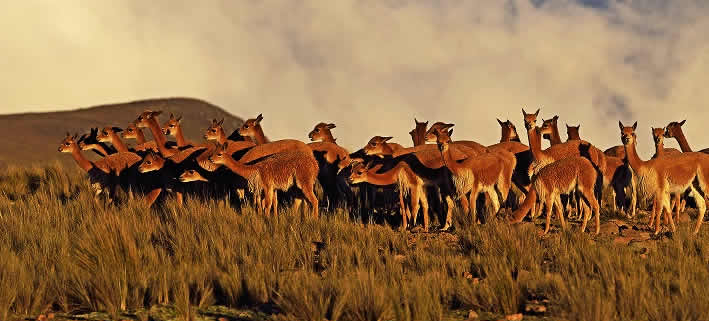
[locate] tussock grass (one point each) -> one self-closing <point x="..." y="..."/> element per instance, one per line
<point x="63" y="252"/>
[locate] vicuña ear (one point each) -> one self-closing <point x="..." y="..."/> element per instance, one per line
<point x="537" y="112"/>
<point x="179" y="118"/>
<point x="635" y="125"/>
<point x="117" y="129"/>
<point x="155" y="113"/>
<point x="450" y="132"/>
<point x="682" y="122"/>
<point x="331" y="126"/>
<point x="620" y="124"/>
<point x="220" y="122"/>
<point x="555" y="117"/>
<point x="259" y="118"/>
<point x="385" y="139"/>
<point x="498" y="121"/>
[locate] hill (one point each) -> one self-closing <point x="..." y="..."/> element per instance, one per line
<point x="34" y="137"/>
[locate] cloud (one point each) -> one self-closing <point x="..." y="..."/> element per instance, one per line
<point x="370" y="66"/>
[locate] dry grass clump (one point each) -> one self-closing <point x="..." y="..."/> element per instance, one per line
<point x="63" y="252"/>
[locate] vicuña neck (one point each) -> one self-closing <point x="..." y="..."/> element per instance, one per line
<point x="259" y="137"/>
<point x="118" y="143"/>
<point x="387" y="178"/>
<point x="535" y="143"/>
<point x="239" y="168"/>
<point x="84" y="163"/>
<point x="221" y="136"/>
<point x="682" y="140"/>
<point x="180" y="137"/>
<point x="139" y="137"/>
<point x="160" y="139"/>
<point x="633" y="159"/>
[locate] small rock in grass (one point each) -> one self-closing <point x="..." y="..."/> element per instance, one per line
<point x="472" y="315"/>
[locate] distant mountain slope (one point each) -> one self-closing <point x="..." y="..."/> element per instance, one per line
<point x="35" y="137"/>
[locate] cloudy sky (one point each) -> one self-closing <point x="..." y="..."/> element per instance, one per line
<point x="371" y="66"/>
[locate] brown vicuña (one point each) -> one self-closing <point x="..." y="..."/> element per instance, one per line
<point x="148" y="119"/>
<point x="659" y="177"/>
<point x="418" y="134"/>
<point x="322" y="133"/>
<point x="674" y="130"/>
<point x="409" y="184"/>
<point x="280" y="171"/>
<point x="572" y="132"/>
<point x="438" y="128"/>
<point x="133" y="132"/>
<point x="550" y="130"/>
<point x="251" y="128"/>
<point x="173" y="127"/>
<point x="571" y="174"/>
<point x="489" y="172"/>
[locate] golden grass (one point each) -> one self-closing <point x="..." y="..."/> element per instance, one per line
<point x="62" y="252"/>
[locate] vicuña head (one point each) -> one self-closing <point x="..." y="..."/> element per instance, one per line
<point x="443" y="136"/>
<point x="376" y="145"/>
<point x="151" y="162"/>
<point x="674" y="129"/>
<point x="220" y="155"/>
<point x="509" y="131"/>
<point x="627" y="134"/>
<point x="215" y="130"/>
<point x="68" y="143"/>
<point x="105" y="135"/>
<point x="131" y="131"/>
<point x="548" y="126"/>
<point x="358" y="173"/>
<point x="170" y="128"/>
<point x="251" y="127"/>
<point x="418" y="134"/>
<point x="436" y="128"/>
<point x="144" y="118"/>
<point x="530" y="120"/>
<point x="658" y="135"/>
<point x="572" y="132"/>
<point x="191" y="175"/>
<point x="322" y="133"/>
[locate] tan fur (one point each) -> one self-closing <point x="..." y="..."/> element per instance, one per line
<point x="271" y="148"/>
<point x="333" y="152"/>
<point x="379" y="145"/>
<point x="658" y="135"/>
<point x="191" y="176"/>
<point x="418" y="134"/>
<point x="252" y="128"/>
<point x="509" y="132"/>
<point x="489" y="172"/>
<point x="438" y="127"/>
<point x="409" y="184"/>
<point x="148" y="119"/>
<point x="279" y="171"/>
<point x="322" y="133"/>
<point x="110" y="135"/>
<point x="133" y="132"/>
<point x="96" y="147"/>
<point x="510" y="146"/>
<point x="615" y="151"/>
<point x="564" y="176"/>
<point x="173" y="127"/>
<point x="661" y="176"/>
<point x="572" y="132"/>
<point x="550" y="130"/>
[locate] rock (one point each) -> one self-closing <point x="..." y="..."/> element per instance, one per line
<point x="467" y="275"/>
<point x="514" y="317"/>
<point x="41" y="317"/>
<point x="472" y="315"/>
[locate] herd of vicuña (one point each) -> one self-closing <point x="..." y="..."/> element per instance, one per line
<point x="432" y="177"/>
